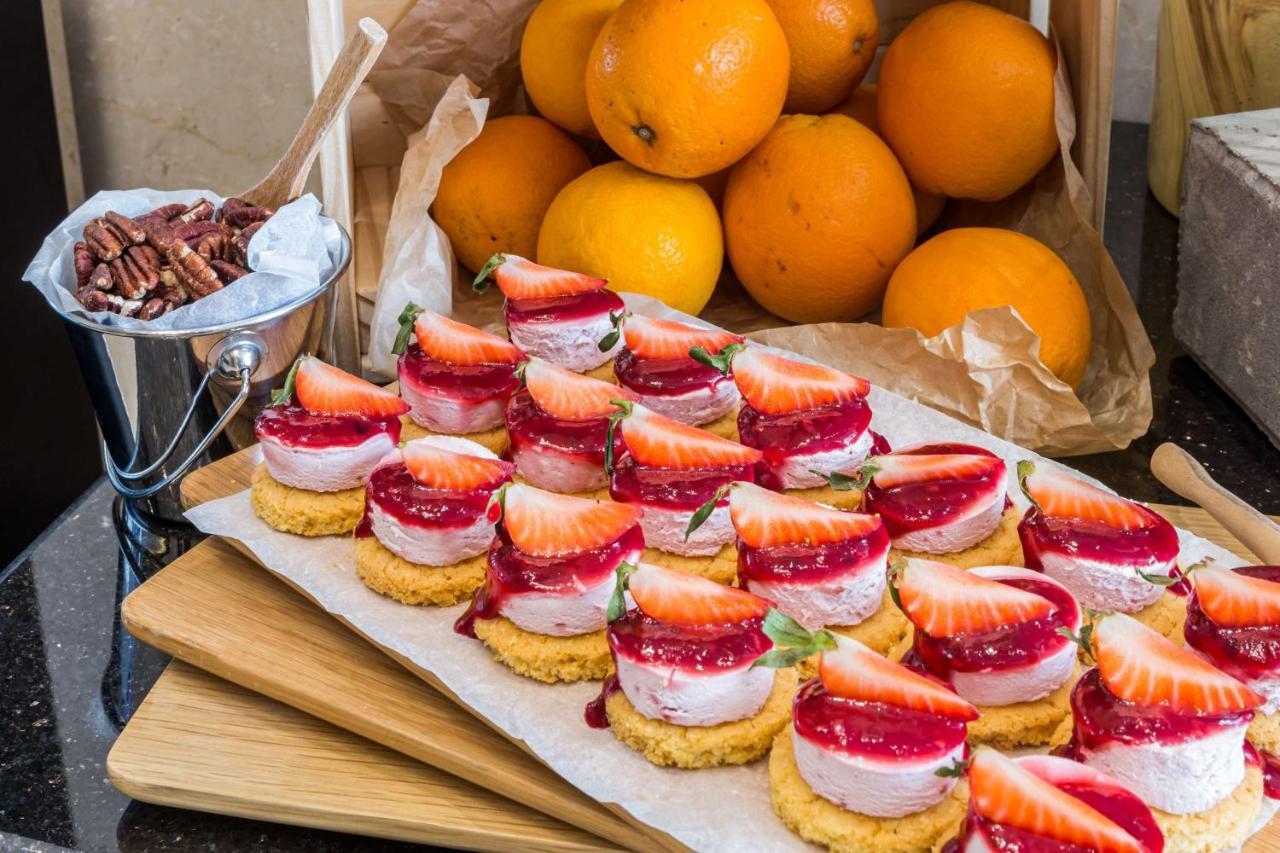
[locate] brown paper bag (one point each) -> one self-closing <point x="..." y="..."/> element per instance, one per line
<point x="984" y="371"/>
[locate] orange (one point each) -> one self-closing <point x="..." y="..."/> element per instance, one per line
<point x="966" y="269"/>
<point x="642" y="232"/>
<point x="816" y="217"/>
<point x="966" y="101"/>
<point x="494" y="193"/>
<point x="832" y="44"/>
<point x="861" y="106"/>
<point x="553" y="59"/>
<point x="687" y="87"/>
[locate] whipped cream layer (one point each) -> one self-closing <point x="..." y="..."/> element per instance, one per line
<point x="846" y="599"/>
<point x="697" y="406"/>
<point x="1178" y="777"/>
<point x="557" y="471"/>
<point x="879" y="787"/>
<point x="664" y="529"/>
<point x="1103" y="585"/>
<point x="572" y="344"/>
<point x="430" y="546"/>
<point x="565" y="613"/>
<point x="957" y="534"/>
<point x="441" y="413"/>
<point x="691" y="697"/>
<point x="324" y="469"/>
<point x="796" y="470"/>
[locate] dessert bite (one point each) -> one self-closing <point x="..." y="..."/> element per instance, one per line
<point x="456" y="378"/>
<point x="551" y="573"/>
<point x="677" y="474"/>
<point x="1170" y="727"/>
<point x="553" y="314"/>
<point x="320" y="437"/>
<point x="1040" y="802"/>
<point x="655" y="364"/>
<point x="1001" y="636"/>
<point x="823" y="567"/>
<point x="685" y="690"/>
<point x="872" y="757"/>
<point x="1113" y="554"/>
<point x="426" y="526"/>
<point x="1233" y="621"/>
<point x="807" y="419"/>
<point x="558" y="428"/>
<point x="945" y="502"/>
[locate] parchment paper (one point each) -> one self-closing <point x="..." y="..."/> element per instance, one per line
<point x="956" y="372"/>
<point x="292" y="253"/>
<point x="722" y="809"/>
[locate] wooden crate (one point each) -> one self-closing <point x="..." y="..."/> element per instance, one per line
<point x="360" y="171"/>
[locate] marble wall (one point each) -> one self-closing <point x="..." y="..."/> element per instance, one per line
<point x="1136" y="26"/>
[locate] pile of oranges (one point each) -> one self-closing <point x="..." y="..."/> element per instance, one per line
<point x="744" y="128"/>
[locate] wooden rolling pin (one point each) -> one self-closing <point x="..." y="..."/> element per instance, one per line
<point x="1174" y="467"/>
<point x="1212" y="57"/>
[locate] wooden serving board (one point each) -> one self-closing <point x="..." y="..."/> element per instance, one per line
<point x="199" y="742"/>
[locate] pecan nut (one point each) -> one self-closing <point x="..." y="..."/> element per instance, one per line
<point x="239" y="214"/>
<point x="153" y="308"/>
<point x="192" y="271"/>
<point x="227" y="271"/>
<point x="240" y="244"/>
<point x="84" y="262"/>
<point x="201" y="209"/>
<point x="128" y="229"/>
<point x="162" y="214"/>
<point x="100" y="278"/>
<point x="103" y="239"/>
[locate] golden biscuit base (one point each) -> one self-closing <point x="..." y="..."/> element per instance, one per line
<point x="584" y="657"/>
<point x="1166" y="617"/>
<point x="824" y="823"/>
<point x="1044" y="722"/>
<point x="411" y="583"/>
<point x="886" y="632"/>
<point x="1223" y="827"/>
<point x="303" y="512"/>
<point x="725" y="426"/>
<point x="739" y="742"/>
<point x="494" y="439"/>
<point x="1264" y="732"/>
<point x="604" y="372"/>
<point x="850" y="499"/>
<point x="1001" y="548"/>
<point x="721" y="567"/>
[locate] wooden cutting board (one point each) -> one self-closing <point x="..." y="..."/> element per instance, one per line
<point x="217" y="609"/>
<point x="198" y="742"/>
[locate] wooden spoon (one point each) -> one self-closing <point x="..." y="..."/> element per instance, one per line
<point x="1174" y="467"/>
<point x="286" y="180"/>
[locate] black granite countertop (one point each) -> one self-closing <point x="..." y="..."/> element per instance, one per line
<point x="68" y="675"/>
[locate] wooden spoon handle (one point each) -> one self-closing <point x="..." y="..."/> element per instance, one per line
<point x="287" y="179"/>
<point x="1174" y="467"/>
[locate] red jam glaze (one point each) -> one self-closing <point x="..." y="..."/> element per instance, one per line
<point x="663" y="377"/>
<point x="808" y="564"/>
<point x="475" y="382"/>
<point x="559" y="309"/>
<point x="664" y="488"/>
<point x="512" y="572"/>
<point x="1145" y="548"/>
<point x="645" y="640"/>
<point x="530" y="428"/>
<point x="1101" y="717"/>
<point x="293" y="426"/>
<point x="805" y="431"/>
<point x="917" y="506"/>
<point x="872" y="729"/>
<point x="1006" y="647"/>
<point x="595" y="714"/>
<point x="1246" y="653"/>
<point x="410" y="503"/>
<point x="1270" y="767"/>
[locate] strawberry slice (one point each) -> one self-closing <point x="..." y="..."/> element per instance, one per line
<point x="546" y="524"/>
<point x="775" y="385"/>
<point x="943" y="600"/>
<point x="323" y="389"/>
<point x="571" y="396"/>
<point x="1235" y="600"/>
<point x="1140" y="666"/>
<point x="1002" y="791"/>
<point x="900" y="469"/>
<point x="649" y="337"/>
<point x="764" y="519"/>
<point x="656" y="441"/>
<point x="447" y="340"/>
<point x="853" y="671"/>
<point x="1060" y="495"/>
<point x="437" y="466"/>
<point x="521" y="278"/>
<point x="682" y="599"/>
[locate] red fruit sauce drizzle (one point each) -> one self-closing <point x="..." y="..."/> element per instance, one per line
<point x="1246" y="653"/>
<point x="810" y="564"/>
<point x="293" y="426"/>
<point x="665" y="377"/>
<point x="916" y="506"/>
<point x="865" y="728"/>
<point x="780" y="437"/>
<point x="412" y="504"/>
<point x="560" y="309"/>
<point x="530" y="428"/>
<point x="473" y="382"/>
<point x="671" y="489"/>
<point x="1146" y="548"/>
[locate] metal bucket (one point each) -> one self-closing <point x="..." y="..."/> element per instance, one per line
<point x="170" y="401"/>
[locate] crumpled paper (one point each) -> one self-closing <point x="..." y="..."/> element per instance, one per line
<point x="290" y="255"/>
<point x="732" y="809"/>
<point x="984" y="371"/>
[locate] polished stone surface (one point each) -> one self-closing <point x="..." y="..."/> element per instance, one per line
<point x="67" y="676"/>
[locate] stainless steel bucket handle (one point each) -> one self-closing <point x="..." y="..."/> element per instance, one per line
<point x="239" y="359"/>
